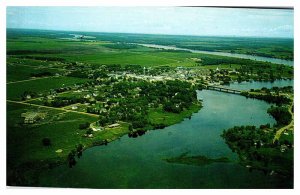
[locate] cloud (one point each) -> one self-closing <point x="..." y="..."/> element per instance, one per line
<point x="161" y="20"/>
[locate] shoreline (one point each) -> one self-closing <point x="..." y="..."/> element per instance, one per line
<point x="30" y="169"/>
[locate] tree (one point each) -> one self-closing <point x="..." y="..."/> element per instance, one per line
<point x="46" y="141"/>
<point x="79" y="150"/>
<point x="71" y="158"/>
<point x="130" y="127"/>
<point x="89" y="131"/>
<point x="281" y="115"/>
<point x="103" y="120"/>
<point x="84" y="125"/>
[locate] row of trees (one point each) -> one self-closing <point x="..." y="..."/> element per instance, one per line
<point x="277" y="99"/>
<point x="41" y="74"/>
<point x="271" y="95"/>
<point x="76" y="152"/>
<point x="277" y="90"/>
<point x="281" y="114"/>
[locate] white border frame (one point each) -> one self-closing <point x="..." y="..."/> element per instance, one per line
<point x="227" y="3"/>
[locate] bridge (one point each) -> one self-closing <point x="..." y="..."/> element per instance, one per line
<point x="223" y="89"/>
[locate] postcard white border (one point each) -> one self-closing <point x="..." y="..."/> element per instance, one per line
<point x="228" y="3"/>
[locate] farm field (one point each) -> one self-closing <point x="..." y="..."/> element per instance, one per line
<point x="15" y="90"/>
<point x="19" y="72"/>
<point x="61" y="127"/>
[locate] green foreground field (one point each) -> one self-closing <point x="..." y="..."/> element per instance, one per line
<point x="25" y="150"/>
<point x="27" y="154"/>
<point x="15" y="90"/>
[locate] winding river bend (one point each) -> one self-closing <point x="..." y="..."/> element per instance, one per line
<point x="235" y="55"/>
<point x="138" y="162"/>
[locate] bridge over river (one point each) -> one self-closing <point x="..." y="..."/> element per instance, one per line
<point x="223" y="89"/>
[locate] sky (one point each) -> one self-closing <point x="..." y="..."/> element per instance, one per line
<point x="157" y="20"/>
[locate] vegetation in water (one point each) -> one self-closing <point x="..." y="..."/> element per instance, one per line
<point x="198" y="160"/>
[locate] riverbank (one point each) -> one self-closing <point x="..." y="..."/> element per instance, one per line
<point x="224" y="54"/>
<point x="141" y="160"/>
<point x="24" y="172"/>
<point x="264" y="148"/>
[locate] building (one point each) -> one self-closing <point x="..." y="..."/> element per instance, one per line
<point x="113" y="125"/>
<point x="32" y="117"/>
<point x="74" y="107"/>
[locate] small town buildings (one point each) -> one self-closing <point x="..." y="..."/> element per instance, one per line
<point x="74" y="107"/>
<point x="113" y="125"/>
<point x="32" y="117"/>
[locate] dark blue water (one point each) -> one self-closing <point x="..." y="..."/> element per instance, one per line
<point x="138" y="163"/>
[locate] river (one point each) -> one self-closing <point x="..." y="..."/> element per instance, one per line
<point x="235" y="55"/>
<point x="138" y="162"/>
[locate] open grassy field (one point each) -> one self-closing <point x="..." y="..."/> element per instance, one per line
<point x="24" y="142"/>
<point x="123" y="58"/>
<point x="94" y="52"/>
<point x="15" y="90"/>
<point x="158" y="116"/>
<point x="22" y="61"/>
<point x="117" y="48"/>
<point x="19" y="72"/>
<point x="268" y="47"/>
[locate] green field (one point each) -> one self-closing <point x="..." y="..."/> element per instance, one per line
<point x="24" y="142"/>
<point x="158" y="116"/>
<point x="15" y="90"/>
<point x="19" y="72"/>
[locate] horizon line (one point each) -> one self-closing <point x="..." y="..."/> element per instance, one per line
<point x="139" y="33"/>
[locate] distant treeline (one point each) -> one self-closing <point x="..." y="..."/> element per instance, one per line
<point x="215" y="60"/>
<point x="176" y="51"/>
<point x="24" y="52"/>
<point x="121" y="46"/>
<point x="279" y="100"/>
<point x="41" y="74"/>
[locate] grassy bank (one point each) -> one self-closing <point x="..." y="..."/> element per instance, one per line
<point x="27" y="155"/>
<point x="159" y="116"/>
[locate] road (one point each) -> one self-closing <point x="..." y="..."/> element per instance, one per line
<point x="38" y="98"/>
<point x="60" y="109"/>
<point x="282" y="129"/>
<point x="29" y="80"/>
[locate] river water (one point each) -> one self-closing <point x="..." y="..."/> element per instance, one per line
<point x="235" y="55"/>
<point x="138" y="162"/>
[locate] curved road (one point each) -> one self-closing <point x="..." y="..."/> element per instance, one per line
<point x="282" y="129"/>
